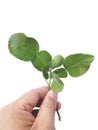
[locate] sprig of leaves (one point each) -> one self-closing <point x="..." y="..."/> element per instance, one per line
<point x="53" y="69"/>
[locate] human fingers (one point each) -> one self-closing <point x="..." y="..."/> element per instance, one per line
<point x="58" y="106"/>
<point x="36" y="110"/>
<point x="29" y="100"/>
<point x="45" y="117"/>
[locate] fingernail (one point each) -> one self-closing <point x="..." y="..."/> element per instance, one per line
<point x="53" y="95"/>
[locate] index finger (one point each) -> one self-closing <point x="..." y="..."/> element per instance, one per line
<point x="31" y="98"/>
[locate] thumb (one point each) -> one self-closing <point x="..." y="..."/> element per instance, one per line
<point x="45" y="117"/>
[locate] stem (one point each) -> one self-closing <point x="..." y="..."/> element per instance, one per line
<point x="49" y="79"/>
<point x="49" y="83"/>
<point x="59" y="116"/>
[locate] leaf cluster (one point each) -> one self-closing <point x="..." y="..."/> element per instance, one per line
<point x="53" y="68"/>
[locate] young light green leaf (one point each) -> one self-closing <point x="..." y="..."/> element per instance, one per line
<point x="41" y="60"/>
<point x="57" y="61"/>
<point x="61" y="72"/>
<point x="78" y="64"/>
<point x="56" y="85"/>
<point x="23" y="47"/>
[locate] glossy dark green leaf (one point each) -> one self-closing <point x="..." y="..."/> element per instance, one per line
<point x="61" y="72"/>
<point x="78" y="64"/>
<point x="41" y="60"/>
<point x="57" y="61"/>
<point x="23" y="47"/>
<point x="56" y="85"/>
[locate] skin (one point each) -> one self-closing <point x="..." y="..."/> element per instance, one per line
<point x="18" y="114"/>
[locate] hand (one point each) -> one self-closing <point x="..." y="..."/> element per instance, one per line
<point x="18" y="115"/>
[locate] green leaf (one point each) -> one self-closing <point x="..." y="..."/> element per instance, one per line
<point x="56" y="85"/>
<point x="41" y="60"/>
<point x="78" y="64"/>
<point x="23" y="47"/>
<point x="46" y="71"/>
<point x="61" y="72"/>
<point x="57" y="61"/>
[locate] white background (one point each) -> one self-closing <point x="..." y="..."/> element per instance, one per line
<point x="60" y="27"/>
